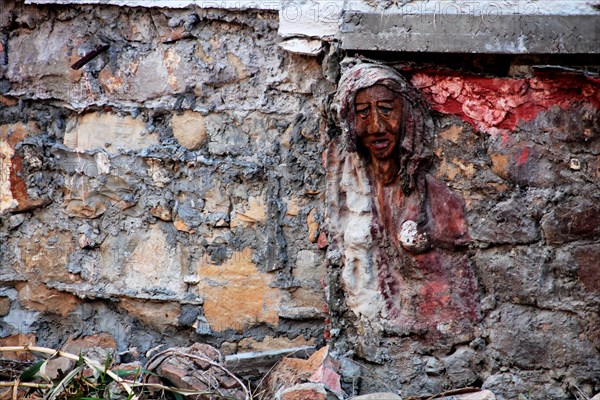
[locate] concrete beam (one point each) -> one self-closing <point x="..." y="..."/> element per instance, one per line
<point x="501" y="27"/>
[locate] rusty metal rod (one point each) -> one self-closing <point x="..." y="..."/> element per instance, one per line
<point x="89" y="56"/>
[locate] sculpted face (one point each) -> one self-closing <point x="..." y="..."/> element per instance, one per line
<point x="378" y="120"/>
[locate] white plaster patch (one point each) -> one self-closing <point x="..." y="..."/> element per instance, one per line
<point x="408" y="234"/>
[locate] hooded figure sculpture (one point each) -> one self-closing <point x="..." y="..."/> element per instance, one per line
<point x="395" y="228"/>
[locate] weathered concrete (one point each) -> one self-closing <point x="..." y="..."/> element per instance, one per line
<point x="491" y="32"/>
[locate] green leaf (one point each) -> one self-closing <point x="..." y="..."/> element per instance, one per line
<point x="107" y="362"/>
<point x="121" y="373"/>
<point x="177" y="396"/>
<point x="67" y="380"/>
<point x="29" y="373"/>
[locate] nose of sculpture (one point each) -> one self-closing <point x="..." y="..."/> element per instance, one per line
<point x="375" y="124"/>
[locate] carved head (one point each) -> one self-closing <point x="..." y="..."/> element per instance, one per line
<point x="378" y="121"/>
<point x="382" y="116"/>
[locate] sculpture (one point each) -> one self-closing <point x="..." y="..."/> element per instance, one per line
<point x="395" y="228"/>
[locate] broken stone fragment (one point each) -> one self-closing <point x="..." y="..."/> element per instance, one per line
<point x="305" y="391"/>
<point x="479" y="395"/>
<point x="197" y="368"/>
<point x="320" y="369"/>
<point x="189" y="129"/>
<point x="162" y="212"/>
<point x="377" y="396"/>
<point x="313" y="226"/>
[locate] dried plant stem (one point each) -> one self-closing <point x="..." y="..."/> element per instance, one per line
<point x="26" y="384"/>
<point x="203" y="359"/>
<point x="57" y="353"/>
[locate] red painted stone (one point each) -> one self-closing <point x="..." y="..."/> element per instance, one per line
<point x="497" y="105"/>
<point x="322" y="241"/>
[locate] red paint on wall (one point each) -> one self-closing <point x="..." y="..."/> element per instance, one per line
<point x="523" y="157"/>
<point x="498" y="105"/>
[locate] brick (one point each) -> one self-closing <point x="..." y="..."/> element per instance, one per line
<point x="189" y="129"/>
<point x="319" y="369"/>
<point x="118" y="132"/>
<point x="237" y="295"/>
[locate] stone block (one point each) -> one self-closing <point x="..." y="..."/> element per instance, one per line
<point x="13" y="191"/>
<point x="218" y="204"/>
<point x="224" y="136"/>
<point x="40" y="298"/>
<point x="141" y="264"/>
<point x="157" y="315"/>
<point x="536" y="385"/>
<point x="96" y="347"/>
<point x="4" y="306"/>
<point x="313" y="225"/>
<point x="459" y="367"/>
<point x="44" y="74"/>
<point x="478" y="395"/>
<point x="309" y="267"/>
<point x="526" y="163"/>
<point x="189" y="129"/>
<point x="89" y="198"/>
<point x="553" y="339"/>
<point x="20" y="339"/>
<point x="108" y="131"/>
<point x="517" y="276"/>
<point x="508" y="222"/>
<point x="587" y="259"/>
<point x="272" y="343"/>
<point x="44" y="257"/>
<point x="247" y="215"/>
<point x="577" y="219"/>
<point x="187" y="212"/>
<point x="237" y="295"/>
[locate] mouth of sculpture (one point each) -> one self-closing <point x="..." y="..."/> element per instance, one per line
<point x="380" y="143"/>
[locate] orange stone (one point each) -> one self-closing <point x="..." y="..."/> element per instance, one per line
<point x="38" y="297"/>
<point x="20" y="339"/>
<point x="237" y="295"/>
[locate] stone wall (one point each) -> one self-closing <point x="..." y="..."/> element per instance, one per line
<point x="172" y="191"/>
<point x="523" y="154"/>
<point x="167" y="192"/>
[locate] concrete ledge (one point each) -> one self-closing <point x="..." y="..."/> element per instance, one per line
<point x="470" y="33"/>
<point x="223" y="4"/>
